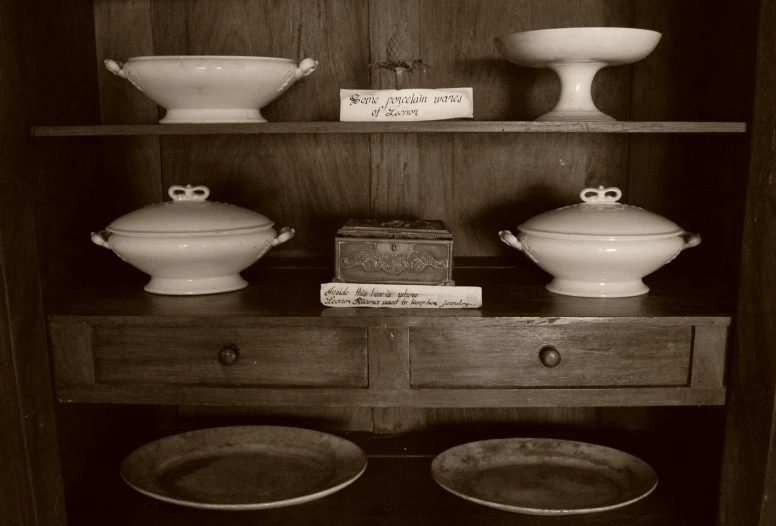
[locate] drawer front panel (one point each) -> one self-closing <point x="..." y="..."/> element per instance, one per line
<point x="598" y="355"/>
<point x="280" y="356"/>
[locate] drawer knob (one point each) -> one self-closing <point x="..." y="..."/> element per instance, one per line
<point x="549" y="356"/>
<point x="228" y="355"/>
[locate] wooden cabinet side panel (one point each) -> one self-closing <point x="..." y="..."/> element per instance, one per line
<point x="30" y="475"/>
<point x="748" y="488"/>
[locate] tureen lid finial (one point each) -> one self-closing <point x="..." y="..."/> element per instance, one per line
<point x="188" y="192"/>
<point x="601" y="194"/>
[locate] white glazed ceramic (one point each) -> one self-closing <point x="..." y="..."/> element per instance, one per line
<point x="542" y="476"/>
<point x="244" y="467"/>
<point x="576" y="54"/>
<point x="197" y="89"/>
<point x="600" y="248"/>
<point x="190" y="245"/>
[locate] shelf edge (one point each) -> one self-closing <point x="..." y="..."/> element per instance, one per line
<point x="390" y="127"/>
<point x="527" y="397"/>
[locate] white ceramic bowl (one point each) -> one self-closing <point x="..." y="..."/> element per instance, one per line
<point x="600" y="248"/>
<point x="576" y="54"/>
<point x="190" y="245"/>
<point x="197" y="89"/>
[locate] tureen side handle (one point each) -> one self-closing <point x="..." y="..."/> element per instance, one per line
<point x="101" y="238"/>
<point x="690" y="240"/>
<point x="286" y="233"/>
<point x="510" y="239"/>
<point x="118" y="69"/>
<point x="306" y="67"/>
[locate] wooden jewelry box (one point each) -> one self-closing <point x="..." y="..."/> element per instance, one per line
<point x="411" y="252"/>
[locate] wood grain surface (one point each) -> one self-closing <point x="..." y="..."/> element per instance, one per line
<point x="123" y="30"/>
<point x="454" y="126"/>
<point x="680" y="294"/>
<point x="76" y="366"/>
<point x="333" y="32"/>
<point x="312" y="183"/>
<point x="613" y="356"/>
<point x="339" y="419"/>
<point x="284" y="356"/>
<point x="672" y="84"/>
<point x="709" y="356"/>
<point x="589" y="397"/>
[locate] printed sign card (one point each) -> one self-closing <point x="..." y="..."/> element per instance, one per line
<point x="400" y="296"/>
<point x="406" y="104"/>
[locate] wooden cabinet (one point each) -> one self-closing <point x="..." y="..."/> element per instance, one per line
<point x="91" y="366"/>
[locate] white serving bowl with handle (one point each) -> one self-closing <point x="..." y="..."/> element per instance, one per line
<point x="202" y="89"/>
<point x="190" y="245"/>
<point x="600" y="248"/>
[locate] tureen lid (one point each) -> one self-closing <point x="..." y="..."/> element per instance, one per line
<point x="600" y="215"/>
<point x="189" y="213"/>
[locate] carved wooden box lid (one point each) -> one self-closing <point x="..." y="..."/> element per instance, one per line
<point x="395" y="229"/>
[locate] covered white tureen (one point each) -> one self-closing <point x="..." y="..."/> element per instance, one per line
<point x="600" y="248"/>
<point x="191" y="245"/>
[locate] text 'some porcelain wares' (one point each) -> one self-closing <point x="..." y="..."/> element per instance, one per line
<point x="540" y="476"/>
<point x="191" y="245"/>
<point x="198" y="89"/>
<point x="600" y="248"/>
<point x="244" y="467"/>
<point x="576" y="54"/>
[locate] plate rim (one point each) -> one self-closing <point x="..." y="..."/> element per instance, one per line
<point x="536" y="510"/>
<point x="359" y="454"/>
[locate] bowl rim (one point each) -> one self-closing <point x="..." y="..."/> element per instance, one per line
<point x="564" y="29"/>
<point x="197" y="233"/>
<point x="151" y="58"/>
<point x="601" y="237"/>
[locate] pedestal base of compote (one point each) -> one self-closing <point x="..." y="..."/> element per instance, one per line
<point x="576" y="100"/>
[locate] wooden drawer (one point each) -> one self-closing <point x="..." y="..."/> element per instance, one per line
<point x="590" y="355"/>
<point x="280" y="356"/>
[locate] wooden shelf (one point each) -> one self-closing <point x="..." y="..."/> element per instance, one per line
<point x="463" y="126"/>
<point x="677" y="292"/>
<point x="289" y="297"/>
<point x="397" y="488"/>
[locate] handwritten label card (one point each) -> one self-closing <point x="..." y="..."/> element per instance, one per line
<point x="406" y="104"/>
<point x="400" y="296"/>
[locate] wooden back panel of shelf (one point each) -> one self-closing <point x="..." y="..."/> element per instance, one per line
<point x="477" y="183"/>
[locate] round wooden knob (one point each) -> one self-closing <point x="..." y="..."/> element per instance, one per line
<point x="549" y="356"/>
<point x="228" y="355"/>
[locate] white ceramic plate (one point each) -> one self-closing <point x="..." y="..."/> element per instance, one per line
<point x="542" y="476"/>
<point x="244" y="468"/>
